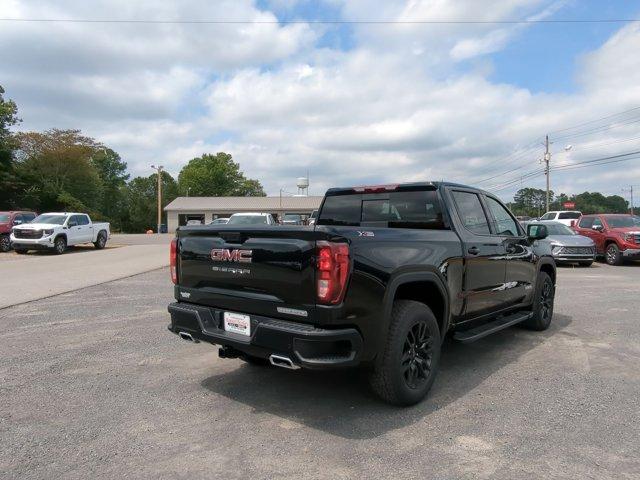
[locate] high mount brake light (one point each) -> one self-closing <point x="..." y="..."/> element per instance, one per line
<point x="333" y="271"/>
<point x="376" y="188"/>
<point x="173" y="257"/>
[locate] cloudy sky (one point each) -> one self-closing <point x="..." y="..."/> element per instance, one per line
<point x="351" y="103"/>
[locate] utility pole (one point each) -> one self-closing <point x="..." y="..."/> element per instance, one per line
<point x="547" y="158"/>
<point x="158" y="169"/>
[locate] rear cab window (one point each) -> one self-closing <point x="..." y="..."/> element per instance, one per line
<point x="569" y="216"/>
<point x="395" y="209"/>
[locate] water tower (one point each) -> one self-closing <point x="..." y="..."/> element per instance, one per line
<point x="303" y="186"/>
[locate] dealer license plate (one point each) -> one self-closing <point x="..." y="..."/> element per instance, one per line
<point x="237" y="323"/>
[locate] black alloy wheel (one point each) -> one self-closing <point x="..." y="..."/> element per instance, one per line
<point x="417" y="355"/>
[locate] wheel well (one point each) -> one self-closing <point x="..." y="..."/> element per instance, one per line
<point x="427" y="293"/>
<point x="549" y="270"/>
<point x="63" y="235"/>
<point x="609" y="242"/>
<point x="102" y="231"/>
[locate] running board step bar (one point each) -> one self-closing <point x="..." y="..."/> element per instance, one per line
<point x="476" y="333"/>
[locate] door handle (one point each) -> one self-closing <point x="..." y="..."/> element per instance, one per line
<point x="473" y="250"/>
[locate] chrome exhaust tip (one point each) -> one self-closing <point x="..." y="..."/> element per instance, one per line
<point x="283" y="362"/>
<point x="187" y="336"/>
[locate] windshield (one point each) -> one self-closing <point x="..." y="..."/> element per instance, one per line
<point x="4" y="217"/>
<point x="622" y="221"/>
<point x="247" y="220"/>
<point x="558" y="229"/>
<point x="47" y="218"/>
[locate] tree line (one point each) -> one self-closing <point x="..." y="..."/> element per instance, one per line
<point x="532" y="202"/>
<point x="64" y="170"/>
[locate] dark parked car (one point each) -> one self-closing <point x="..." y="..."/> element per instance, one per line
<point x="385" y="274"/>
<point x="8" y="220"/>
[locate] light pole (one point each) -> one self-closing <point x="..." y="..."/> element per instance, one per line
<point x="158" y="169"/>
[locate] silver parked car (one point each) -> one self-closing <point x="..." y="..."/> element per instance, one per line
<point x="566" y="245"/>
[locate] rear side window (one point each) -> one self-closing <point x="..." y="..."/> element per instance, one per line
<point x="83" y="220"/>
<point x="413" y="209"/>
<point x="471" y="212"/>
<point x="586" y="222"/>
<point x="569" y="216"/>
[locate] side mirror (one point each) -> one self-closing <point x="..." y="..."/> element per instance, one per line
<point x="537" y="232"/>
<point x="72" y="224"/>
<point x="17" y="222"/>
<point x="597" y="228"/>
<point x="573" y="223"/>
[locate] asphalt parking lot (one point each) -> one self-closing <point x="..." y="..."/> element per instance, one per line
<point x="94" y="386"/>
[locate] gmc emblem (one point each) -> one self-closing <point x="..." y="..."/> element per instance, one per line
<point x="227" y="255"/>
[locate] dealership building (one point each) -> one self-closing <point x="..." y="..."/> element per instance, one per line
<point x="206" y="209"/>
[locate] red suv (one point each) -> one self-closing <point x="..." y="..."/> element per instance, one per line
<point x="617" y="236"/>
<point x="7" y="221"/>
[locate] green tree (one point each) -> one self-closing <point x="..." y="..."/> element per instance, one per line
<point x="142" y="201"/>
<point x="595" y="202"/>
<point x="216" y="176"/>
<point x="56" y="167"/>
<point x="113" y="175"/>
<point x="530" y="201"/>
<point x="8" y="181"/>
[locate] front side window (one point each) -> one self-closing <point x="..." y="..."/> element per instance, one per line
<point x="471" y="212"/>
<point x="548" y="216"/>
<point x="505" y="224"/>
<point x="597" y="222"/>
<point x="586" y="222"/>
<point x="83" y="220"/>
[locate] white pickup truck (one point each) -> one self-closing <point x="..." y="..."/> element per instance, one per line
<point x="57" y="231"/>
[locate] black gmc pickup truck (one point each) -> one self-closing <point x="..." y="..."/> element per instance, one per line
<point x="385" y="273"/>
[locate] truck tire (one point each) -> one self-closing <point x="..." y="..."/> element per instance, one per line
<point x="5" y="243"/>
<point x="407" y="367"/>
<point x="101" y="241"/>
<point x="20" y="251"/>
<point x="59" y="245"/>
<point x="542" y="303"/>
<point x="612" y="255"/>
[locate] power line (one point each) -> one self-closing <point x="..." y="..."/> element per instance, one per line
<point x="587" y="163"/>
<point x="323" y="22"/>
<point x="602" y="128"/>
<point x="594" y="121"/>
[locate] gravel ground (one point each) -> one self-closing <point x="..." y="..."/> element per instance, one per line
<point x="94" y="386"/>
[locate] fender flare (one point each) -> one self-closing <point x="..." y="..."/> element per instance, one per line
<point x="547" y="261"/>
<point x="408" y="277"/>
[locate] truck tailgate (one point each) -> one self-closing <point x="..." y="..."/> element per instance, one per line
<point x="266" y="270"/>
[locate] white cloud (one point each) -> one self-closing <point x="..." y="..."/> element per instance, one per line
<point x="394" y="107"/>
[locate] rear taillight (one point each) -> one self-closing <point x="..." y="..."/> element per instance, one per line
<point x="173" y="260"/>
<point x="333" y="272"/>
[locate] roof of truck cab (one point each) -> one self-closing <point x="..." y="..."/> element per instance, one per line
<point x="432" y="185"/>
